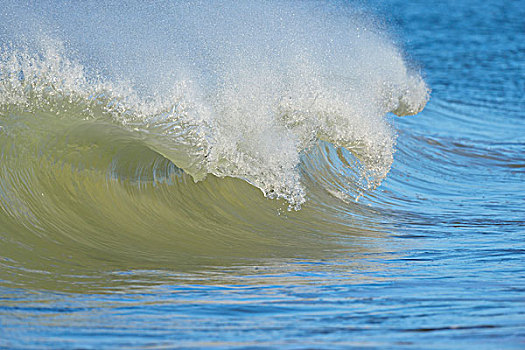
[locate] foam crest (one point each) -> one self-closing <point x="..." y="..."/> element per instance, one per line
<point x="221" y="87"/>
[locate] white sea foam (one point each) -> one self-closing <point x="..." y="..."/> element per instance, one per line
<point x="224" y="88"/>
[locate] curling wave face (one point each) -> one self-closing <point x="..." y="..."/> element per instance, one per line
<point x="288" y="98"/>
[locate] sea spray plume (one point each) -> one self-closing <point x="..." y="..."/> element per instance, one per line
<point x="234" y="89"/>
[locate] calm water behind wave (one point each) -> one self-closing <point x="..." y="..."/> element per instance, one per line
<point x="433" y="258"/>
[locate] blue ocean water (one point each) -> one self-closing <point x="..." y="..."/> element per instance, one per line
<point x="433" y="258"/>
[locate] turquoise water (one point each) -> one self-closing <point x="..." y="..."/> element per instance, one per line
<point x="106" y="240"/>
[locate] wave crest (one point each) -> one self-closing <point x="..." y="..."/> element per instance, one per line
<point x="243" y="94"/>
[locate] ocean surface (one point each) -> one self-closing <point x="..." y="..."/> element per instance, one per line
<point x="262" y="174"/>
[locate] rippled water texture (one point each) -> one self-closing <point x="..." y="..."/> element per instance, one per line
<point x="236" y="175"/>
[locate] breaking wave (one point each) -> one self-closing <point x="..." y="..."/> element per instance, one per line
<point x="165" y="117"/>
